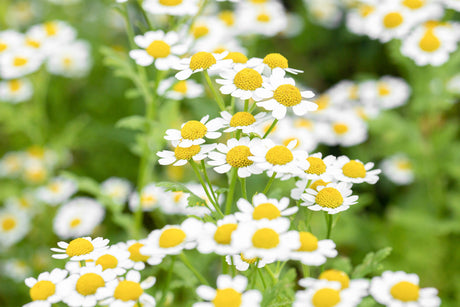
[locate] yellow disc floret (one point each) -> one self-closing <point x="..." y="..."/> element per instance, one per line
<point x="227" y="17"/>
<point x="227" y="297"/>
<point x="88" y="283"/>
<point x="392" y="20"/>
<point x="127" y="290"/>
<point x="182" y="153"/>
<point x="336" y="275"/>
<point x="405" y="291"/>
<point x="180" y="87"/>
<point x="78" y="247"/>
<point x="200" y="31"/>
<point x="171" y="237"/>
<point x="340" y="128"/>
<point x="248" y="79"/>
<point x="248" y="260"/>
<point x="75" y="222"/>
<point x="274" y="60"/>
<point x="15" y="85"/>
<point x="236" y="57"/>
<point x="263" y="18"/>
<point x="318" y="183"/>
<point x="329" y="198"/>
<point x="413" y="4"/>
<point x="158" y="49"/>
<point x="429" y="42"/>
<point x="202" y="60"/>
<point x="326" y="297"/>
<point x="242" y="119"/>
<point x="8" y="224"/>
<point x="383" y="89"/>
<point x="193" y="130"/>
<point x="170" y="2"/>
<point x="266" y="211"/>
<point x="135" y="254"/>
<point x="51" y="28"/>
<point x="265" y="238"/>
<point x="288" y="95"/>
<point x="365" y="10"/>
<point x="19" y="61"/>
<point x="42" y="290"/>
<point x="107" y="261"/>
<point x="317" y="166"/>
<point x="223" y="234"/>
<point x="354" y="169"/>
<point x="322" y="102"/>
<point x="238" y="156"/>
<point x="308" y="242"/>
<point x="279" y="155"/>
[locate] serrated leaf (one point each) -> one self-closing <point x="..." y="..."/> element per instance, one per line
<point x="371" y="263"/>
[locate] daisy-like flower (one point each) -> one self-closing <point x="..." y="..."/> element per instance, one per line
<point x="263" y="207"/>
<point x="326" y="13"/>
<point x="43" y="155"/>
<point x="386" y="93"/>
<point x="193" y="132"/>
<point x="218" y="238"/>
<point x="344" y="93"/>
<point x="361" y="286"/>
<point x="78" y="218"/>
<point x="280" y="93"/>
<point x="162" y="48"/>
<point x="301" y="130"/>
<point x="172" y="239"/>
<point x="266" y="239"/>
<point x="235" y="154"/>
<point x="332" y="198"/>
<point x="87" y="287"/>
<point x="172" y="89"/>
<point x="303" y="184"/>
<point x="14" y="226"/>
<point x="117" y="189"/>
<point x="16" y="90"/>
<point x="200" y="61"/>
<point x="58" y="190"/>
<point x="171" y="7"/>
<point x="398" y="168"/>
<point x="268" y="19"/>
<point x="11" y="164"/>
<point x="80" y="248"/>
<point x="34" y="171"/>
<point x="320" y="168"/>
<point x="402" y="289"/>
<point x="244" y="121"/>
<point x="25" y="202"/>
<point x="280" y="159"/>
<point x="15" y="269"/>
<point x="51" y="34"/>
<point x="357" y="19"/>
<point x="129" y="291"/>
<point x="327" y="293"/>
<point x="181" y="155"/>
<point x="230" y="292"/>
<point x="273" y="61"/>
<point x="149" y="199"/>
<point x="46" y="289"/>
<point x="424" y="10"/>
<point x="19" y="63"/>
<point x="355" y="171"/>
<point x="10" y="40"/>
<point x="313" y="251"/>
<point x="242" y="263"/>
<point x="344" y="128"/>
<point x="201" y="210"/>
<point x="241" y="82"/>
<point x="71" y="60"/>
<point x="136" y="258"/>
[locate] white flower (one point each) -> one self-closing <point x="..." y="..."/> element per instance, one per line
<point x="242" y="263"/>
<point x="57" y="191"/>
<point x="280" y="93"/>
<point x="303" y="184"/>
<point x="71" y="60"/>
<point x="117" y="189"/>
<point x="229" y="291"/>
<point x="15" y="269"/>
<point x="24" y="202"/>
<point x="171" y="7"/>
<point x="10" y="40"/>
<point x="386" y="93"/>
<point x="326" y="13"/>
<point x="241" y="81"/>
<point x="244" y="121"/>
<point x="320" y="168"/>
<point x="359" y="286"/>
<point x="355" y="171"/>
<point x="162" y="48"/>
<point x="14" y="226"/>
<point x="201" y="61"/>
<point x="402" y="289"/>
<point x="11" y="164"/>
<point x="398" y="168"/>
<point x="357" y="19"/>
<point x="149" y="199"/>
<point x="129" y="291"/>
<point x="136" y="259"/>
<point x="19" y="63"/>
<point x="181" y="155"/>
<point x="332" y="198"/>
<point x="46" y="289"/>
<point x="218" y="238"/>
<point x="80" y="248"/>
<point x="263" y="207"/>
<point x="193" y="132"/>
<point x="51" y="34"/>
<point x="268" y="19"/>
<point x="313" y="251"/>
<point x="299" y="129"/>
<point x="344" y="128"/>
<point x="78" y="217"/>
<point x="172" y="89"/>
<point x="201" y="210"/>
<point x="16" y="90"/>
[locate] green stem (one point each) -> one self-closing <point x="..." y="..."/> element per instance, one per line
<point x="231" y="191"/>
<point x="203" y="184"/>
<point x="259" y="271"/>
<point x="203" y="166"/>
<point x="274" y="279"/>
<point x="328" y="224"/>
<point x="306" y="271"/>
<point x="243" y="188"/>
<point x="246" y="105"/>
<point x="225" y="264"/>
<point x="232" y="104"/>
<point x="270" y="128"/>
<point x="144" y="14"/>
<point x="269" y="184"/>
<point x="215" y="93"/>
<point x="168" y="281"/>
<point x="187" y="263"/>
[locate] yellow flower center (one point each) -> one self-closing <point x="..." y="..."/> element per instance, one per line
<point x="127" y="290"/>
<point x="336" y="275"/>
<point x="242" y="119"/>
<point x="429" y="41"/>
<point x="248" y="79"/>
<point x="36" y="175"/>
<point x="107" y="261"/>
<point x="51" y="28"/>
<point x="8" y="224"/>
<point x="238" y="156"/>
<point x="383" y="89"/>
<point x="227" y="297"/>
<point x="317" y="166"/>
<point x="75" y="222"/>
<point x="405" y="291"/>
<point x="135" y="254"/>
<point x="265" y="238"/>
<point x="248" y="260"/>
<point x="78" y="247"/>
<point x="404" y="165"/>
<point x="148" y="200"/>
<point x="354" y="169"/>
<point x="326" y="297"/>
<point x="266" y="211"/>
<point x="340" y="128"/>
<point x="223" y="234"/>
<point x="158" y="49"/>
<point x="329" y="198"/>
<point x="178" y="196"/>
<point x="413" y="4"/>
<point x="237" y="57"/>
<point x="3" y="46"/>
<point x="308" y="242"/>
<point x="170" y="2"/>
<point x="24" y="202"/>
<point x="180" y="87"/>
<point x="279" y="155"/>
<point x="287" y="95"/>
<point x="220" y="49"/>
<point x="42" y="290"/>
<point x="67" y="62"/>
<point x="193" y="130"/>
<point x="32" y="43"/>
<point x="227" y="17"/>
<point x="289" y="140"/>
<point x="353" y="92"/>
<point x="303" y="123"/>
<point x="365" y="10"/>
<point x="318" y="183"/>
<point x="263" y="17"/>
<point x="171" y="237"/>
<point x="322" y="102"/>
<point x="88" y="283"/>
<point x="19" y="61"/>
<point x="274" y="60"/>
<point x="200" y="31"/>
<point x="258" y="1"/>
<point x="392" y="20"/>
<point x="182" y="153"/>
<point x="202" y="60"/>
<point x="36" y="151"/>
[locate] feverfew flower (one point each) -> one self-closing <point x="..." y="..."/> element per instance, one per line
<point x="241" y="82"/>
<point x="71" y="60"/>
<point x="229" y="291"/>
<point x="181" y="155"/>
<point x="46" y="289"/>
<point x="11" y="164"/>
<point x="242" y="263"/>
<point x="136" y="259"/>
<point x="268" y="19"/>
<point x="149" y="198"/>
<point x="386" y="93"/>
<point x="361" y="286"/>
<point x="398" y="168"/>
<point x="327" y="293"/>
<point x="57" y="191"/>
<point x="80" y="248"/>
<point x="14" y="226"/>
<point x="218" y="238"/>
<point x="244" y="121"/>
<point x="263" y="207"/>
<point x="355" y="171"/>
<point x="273" y="61"/>
<point x="193" y="132"/>
<point x="178" y="90"/>
<point x="16" y="90"/>
<point x="117" y="189"/>
<point x="313" y="251"/>
<point x="332" y="198"/>
<point x="19" y="63"/>
<point x="10" y="40"/>
<point x="200" y="61"/>
<point x="320" y="168"/>
<point x="171" y="7"/>
<point x="345" y="128"/>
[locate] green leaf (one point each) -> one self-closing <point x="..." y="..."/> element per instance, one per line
<point x="371" y="263"/>
<point x="193" y="199"/>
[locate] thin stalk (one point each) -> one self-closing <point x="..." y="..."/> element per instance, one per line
<point x="225" y="265"/>
<point x="269" y="184"/>
<point x="305" y="270"/>
<point x="328" y="224"/>
<point x="215" y="93"/>
<point x="203" y="166"/>
<point x="187" y="263"/>
<point x="261" y="277"/>
<point x="243" y="188"/>
<point x="274" y="279"/>
<point x="168" y="281"/>
<point x="232" y="104"/>
<point x="231" y="191"/>
<point x="246" y="105"/>
<point x="270" y="128"/>
<point x="203" y="184"/>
